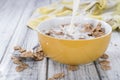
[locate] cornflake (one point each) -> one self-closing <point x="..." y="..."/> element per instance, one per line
<point x="80" y="31"/>
<point x="104" y="56"/>
<point x="16" y="60"/>
<point x="51" y="79"/>
<point x="72" y="68"/>
<point x="105" y="67"/>
<point x="22" y="50"/>
<point x="88" y="27"/>
<point x="39" y="49"/>
<point x="27" y="54"/>
<point x="38" y="57"/>
<point x="104" y="62"/>
<point x="98" y="31"/>
<point x="59" y="33"/>
<point x="21" y="67"/>
<point x="58" y="75"/>
<point x="17" y="48"/>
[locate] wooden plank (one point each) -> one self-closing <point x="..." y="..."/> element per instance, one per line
<point x="8" y="20"/>
<point x="36" y="70"/>
<point x="85" y="72"/>
<point x="28" y="39"/>
<point x="2" y="2"/>
<point x="114" y="54"/>
<point x="10" y="14"/>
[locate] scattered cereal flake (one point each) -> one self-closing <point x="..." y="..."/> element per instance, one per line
<point x="42" y="54"/>
<point x="22" y="50"/>
<point x="17" y="48"/>
<point x="45" y="55"/>
<point x="38" y="57"/>
<point x="27" y="54"/>
<point x="72" y="68"/>
<point x="51" y="79"/>
<point x="39" y="49"/>
<point x="104" y="62"/>
<point x="58" y="75"/>
<point x="16" y="60"/>
<point x="21" y="67"/>
<point x="105" y="67"/>
<point x="104" y="56"/>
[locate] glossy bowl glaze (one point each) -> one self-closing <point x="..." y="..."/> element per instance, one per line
<point x="73" y="52"/>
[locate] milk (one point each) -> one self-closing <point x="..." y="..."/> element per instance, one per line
<point x="74" y="13"/>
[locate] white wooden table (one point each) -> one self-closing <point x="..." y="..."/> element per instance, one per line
<point x="14" y="15"/>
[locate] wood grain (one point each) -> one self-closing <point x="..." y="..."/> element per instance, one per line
<point x="85" y="72"/>
<point x="14" y="15"/>
<point x="114" y="53"/>
<point x="10" y="14"/>
<point x="28" y="39"/>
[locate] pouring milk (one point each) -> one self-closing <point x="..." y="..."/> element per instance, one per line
<point x="74" y="13"/>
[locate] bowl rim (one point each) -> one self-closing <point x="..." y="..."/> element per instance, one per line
<point x="109" y="32"/>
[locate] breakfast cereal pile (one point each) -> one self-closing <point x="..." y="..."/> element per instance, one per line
<point x="38" y="55"/>
<point x="80" y="31"/>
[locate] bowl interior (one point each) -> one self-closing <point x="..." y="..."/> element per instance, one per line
<point x="55" y="22"/>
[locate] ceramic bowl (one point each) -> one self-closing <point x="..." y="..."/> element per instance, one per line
<point x="73" y="52"/>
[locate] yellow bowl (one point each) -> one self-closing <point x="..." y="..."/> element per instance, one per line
<point x="73" y="52"/>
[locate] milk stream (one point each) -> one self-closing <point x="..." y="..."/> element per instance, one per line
<point x="74" y="13"/>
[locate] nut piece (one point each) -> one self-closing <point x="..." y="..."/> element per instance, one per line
<point x="17" y="48"/>
<point x="16" y="60"/>
<point x="72" y="68"/>
<point x="104" y="56"/>
<point x="27" y="54"/>
<point x="21" y="67"/>
<point x="58" y="75"/>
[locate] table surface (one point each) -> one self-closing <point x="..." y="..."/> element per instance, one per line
<point x="14" y="15"/>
